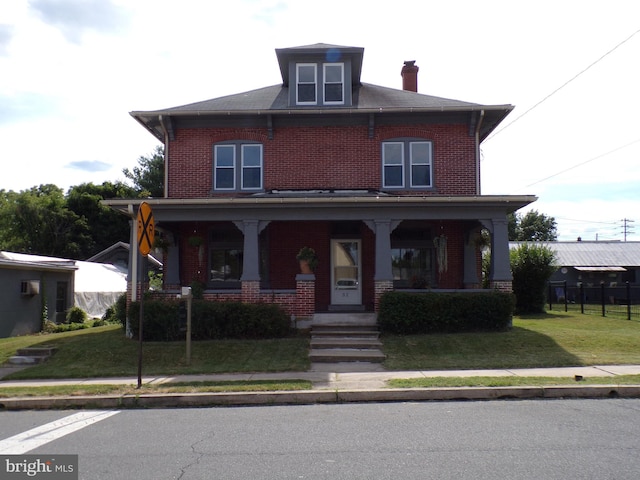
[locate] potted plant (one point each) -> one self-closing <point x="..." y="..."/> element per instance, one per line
<point x="308" y="260"/>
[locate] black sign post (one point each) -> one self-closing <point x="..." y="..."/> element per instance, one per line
<point x="146" y="234"/>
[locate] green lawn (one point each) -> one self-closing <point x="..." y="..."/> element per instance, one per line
<point x="510" y="381"/>
<point x="550" y="340"/>
<point x="176" y="387"/>
<point x="106" y="352"/>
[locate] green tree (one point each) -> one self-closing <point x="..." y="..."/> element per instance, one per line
<point x="148" y="176"/>
<point x="37" y="221"/>
<point x="532" y="227"/>
<point x="106" y="225"/>
<point x="532" y="266"/>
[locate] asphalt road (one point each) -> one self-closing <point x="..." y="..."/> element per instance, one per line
<point x="530" y="439"/>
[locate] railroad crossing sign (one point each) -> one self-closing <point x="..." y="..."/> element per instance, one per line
<point x="146" y="229"/>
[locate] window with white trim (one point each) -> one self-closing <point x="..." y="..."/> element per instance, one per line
<point x="407" y="164"/>
<point x="333" y="76"/>
<point x="237" y="166"/>
<point x="306" y="84"/>
<point x="225" y="167"/>
<point x="393" y="164"/>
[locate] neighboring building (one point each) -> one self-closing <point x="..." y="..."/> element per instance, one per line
<point x="119" y="255"/>
<point x="33" y="289"/>
<point x="383" y="184"/>
<point x="37" y="288"/>
<point x="592" y="263"/>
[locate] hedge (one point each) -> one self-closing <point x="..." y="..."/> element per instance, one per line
<point x="209" y="320"/>
<point x="418" y="313"/>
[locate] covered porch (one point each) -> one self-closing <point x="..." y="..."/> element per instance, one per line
<point x="243" y="249"/>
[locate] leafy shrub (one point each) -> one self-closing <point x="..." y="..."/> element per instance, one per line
<point x="117" y="313"/>
<point x="52" y="327"/>
<point x="532" y="266"/>
<point x="209" y="320"/>
<point x="76" y="315"/>
<point x="411" y="313"/>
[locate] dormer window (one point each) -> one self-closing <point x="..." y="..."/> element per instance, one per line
<point x="331" y="79"/>
<point x="306" y="84"/>
<point x="333" y="83"/>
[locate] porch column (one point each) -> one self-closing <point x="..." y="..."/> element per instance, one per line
<point x="383" y="277"/>
<point x="250" y="279"/>
<point x="383" y="270"/>
<point x="471" y="260"/>
<point x="250" y="260"/>
<point x="501" y="278"/>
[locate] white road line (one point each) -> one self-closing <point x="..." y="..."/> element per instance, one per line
<point x="31" y="439"/>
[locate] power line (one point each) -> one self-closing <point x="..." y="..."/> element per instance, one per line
<point x="562" y="86"/>
<point x="585" y="221"/>
<point x="626" y="227"/>
<point x="573" y="167"/>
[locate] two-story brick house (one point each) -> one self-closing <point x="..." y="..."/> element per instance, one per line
<point x="383" y="183"/>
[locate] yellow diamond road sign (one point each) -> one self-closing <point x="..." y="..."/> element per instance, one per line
<point x="146" y="228"/>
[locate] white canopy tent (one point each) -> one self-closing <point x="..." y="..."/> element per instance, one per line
<point x="98" y="286"/>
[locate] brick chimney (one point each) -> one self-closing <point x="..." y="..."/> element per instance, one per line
<point x="410" y="76"/>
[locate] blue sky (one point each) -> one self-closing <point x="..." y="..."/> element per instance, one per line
<point x="73" y="69"/>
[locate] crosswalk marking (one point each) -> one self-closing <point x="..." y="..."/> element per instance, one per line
<point x="31" y="439"/>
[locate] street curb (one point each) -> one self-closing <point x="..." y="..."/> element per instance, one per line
<point x="308" y="397"/>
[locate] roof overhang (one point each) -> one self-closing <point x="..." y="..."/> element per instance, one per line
<point x="329" y="207"/>
<point x="601" y="269"/>
<point x="162" y="122"/>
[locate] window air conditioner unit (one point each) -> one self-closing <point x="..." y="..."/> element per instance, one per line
<point x="30" y="287"/>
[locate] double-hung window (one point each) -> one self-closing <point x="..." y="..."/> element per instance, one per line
<point x="320" y="84"/>
<point x="407" y="164"/>
<point x="251" y="167"/>
<point x="420" y="159"/>
<point x="333" y="74"/>
<point x="237" y="166"/>
<point x="306" y="88"/>
<point x="393" y="164"/>
<point x="225" y="167"/>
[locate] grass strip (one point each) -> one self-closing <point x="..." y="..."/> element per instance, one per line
<point x="509" y="381"/>
<point x="177" y="387"/>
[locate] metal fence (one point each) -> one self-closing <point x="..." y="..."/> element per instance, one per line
<point x="607" y="300"/>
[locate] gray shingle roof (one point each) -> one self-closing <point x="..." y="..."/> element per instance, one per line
<point x="275" y="98"/>
<point x="595" y="254"/>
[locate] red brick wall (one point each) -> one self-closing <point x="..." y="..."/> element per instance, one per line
<point x="454" y="275"/>
<point x="321" y="157"/>
<point x="285" y="240"/>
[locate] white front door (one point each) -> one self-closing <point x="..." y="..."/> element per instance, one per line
<point x="346" y="281"/>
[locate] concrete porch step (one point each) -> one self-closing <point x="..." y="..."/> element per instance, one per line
<point x="44" y="351"/>
<point x="344" y="333"/>
<point x="26" y="360"/>
<point x="339" y="355"/>
<point x="360" y="319"/>
<point x="344" y="338"/>
<point x="32" y="355"/>
<point x="335" y="342"/>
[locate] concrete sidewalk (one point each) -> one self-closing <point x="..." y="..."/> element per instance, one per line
<point x="345" y="377"/>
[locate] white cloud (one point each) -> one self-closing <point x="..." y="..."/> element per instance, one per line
<point x="74" y="18"/>
<point x="73" y="69"/>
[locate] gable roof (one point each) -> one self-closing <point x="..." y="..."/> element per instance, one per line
<point x="594" y="254"/>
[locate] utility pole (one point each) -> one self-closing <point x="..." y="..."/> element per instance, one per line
<point x="626" y="227"/>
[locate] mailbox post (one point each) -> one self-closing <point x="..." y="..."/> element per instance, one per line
<point x="186" y="294"/>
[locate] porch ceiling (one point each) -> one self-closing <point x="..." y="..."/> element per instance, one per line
<point x="329" y="207"/>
